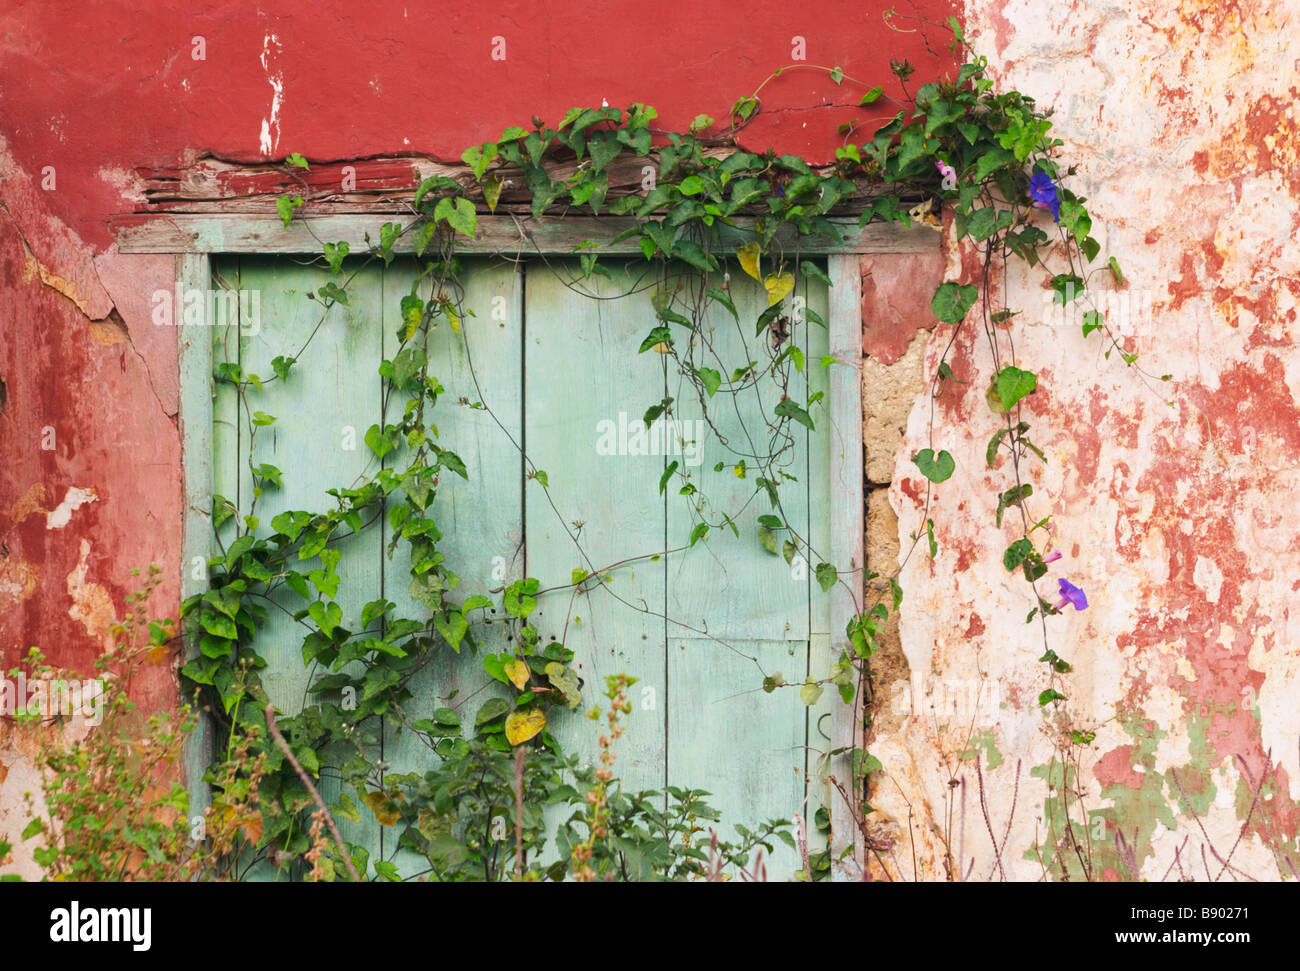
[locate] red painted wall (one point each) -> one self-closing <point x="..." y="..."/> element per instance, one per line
<point x="97" y="90"/>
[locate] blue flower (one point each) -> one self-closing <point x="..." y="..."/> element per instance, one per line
<point x="1070" y="594"/>
<point x="1043" y="191"/>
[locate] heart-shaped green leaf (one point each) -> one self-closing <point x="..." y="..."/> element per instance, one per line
<point x="951" y="302"/>
<point x="936" y="468"/>
<point x="1009" y="386"/>
<point x="827" y="576"/>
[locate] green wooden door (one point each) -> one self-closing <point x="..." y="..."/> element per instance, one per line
<point x="554" y="361"/>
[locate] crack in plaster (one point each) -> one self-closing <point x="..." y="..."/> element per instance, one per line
<point x="108" y="329"/>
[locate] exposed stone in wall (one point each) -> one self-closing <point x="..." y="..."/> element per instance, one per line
<point x="889" y="391"/>
<point x="889" y="669"/>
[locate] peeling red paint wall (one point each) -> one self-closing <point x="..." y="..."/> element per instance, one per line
<point x="99" y="89"/>
<point x="89" y="487"/>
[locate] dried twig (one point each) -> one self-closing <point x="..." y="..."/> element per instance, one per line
<point x="1270" y="839"/>
<point x="868" y="841"/>
<point x="714" y="873"/>
<point x="306" y="781"/>
<point x="1126" y="852"/>
<point x="1177" y="862"/>
<point x="519" y="813"/>
<point x="984" y="807"/>
<point x="1038" y="852"/>
<point x="1249" y="813"/>
<point x="1173" y="774"/>
<point x="1015" y="797"/>
<point x="801" y="839"/>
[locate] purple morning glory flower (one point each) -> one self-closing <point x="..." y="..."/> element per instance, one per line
<point x="949" y="175"/>
<point x="1043" y="191"/>
<point x="1072" y="595"/>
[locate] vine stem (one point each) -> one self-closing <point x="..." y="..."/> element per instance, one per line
<point x="306" y="781"/>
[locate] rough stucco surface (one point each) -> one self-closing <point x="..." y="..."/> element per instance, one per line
<point x="1176" y="518"/>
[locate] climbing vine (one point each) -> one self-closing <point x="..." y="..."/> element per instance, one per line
<point x="708" y="216"/>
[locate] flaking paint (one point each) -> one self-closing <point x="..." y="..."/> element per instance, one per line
<point x="1169" y="505"/>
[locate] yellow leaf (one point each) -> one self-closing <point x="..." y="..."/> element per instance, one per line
<point x="748" y="256"/>
<point x="517" y="672"/>
<point x="492" y="192"/>
<point x="346" y="808"/>
<point x="923" y="214"/>
<point x="660" y="348"/>
<point x="385" y="809"/>
<point x="523" y="725"/>
<point x="454" y="319"/>
<point x="778" y="286"/>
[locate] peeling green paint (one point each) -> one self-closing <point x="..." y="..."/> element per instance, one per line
<point x="983" y="740"/>
<point x="1064" y="850"/>
<point x="1194" y="790"/>
<point x="1143" y="807"/>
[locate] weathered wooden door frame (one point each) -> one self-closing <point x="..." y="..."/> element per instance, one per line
<point x="195" y="240"/>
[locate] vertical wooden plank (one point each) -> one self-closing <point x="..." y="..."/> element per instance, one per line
<point x="818" y="382"/>
<point x="586" y="388"/>
<point x="228" y="471"/>
<point x="821" y="716"/>
<point x="728" y="581"/>
<point x="481" y="518"/>
<point x="725" y="734"/>
<point x="194" y="350"/>
<point x="317" y="441"/>
<point x="728" y="737"/>
<point x="848" y="510"/>
<point x="322" y="412"/>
